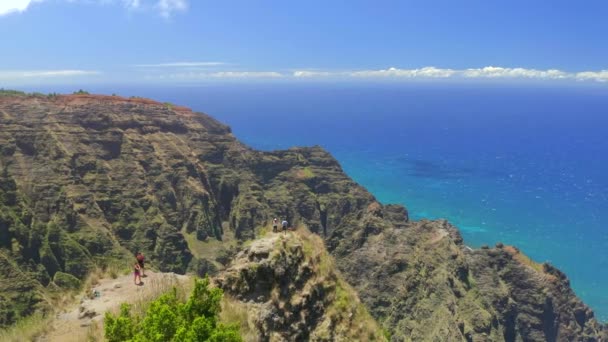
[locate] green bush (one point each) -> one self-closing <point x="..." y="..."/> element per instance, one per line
<point x="67" y="281"/>
<point x="119" y="328"/>
<point x="169" y="319"/>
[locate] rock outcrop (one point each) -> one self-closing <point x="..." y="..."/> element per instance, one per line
<point x="291" y="291"/>
<point x="85" y="178"/>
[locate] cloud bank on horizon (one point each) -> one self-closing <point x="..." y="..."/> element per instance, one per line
<point x="491" y="72"/>
<point x="197" y="71"/>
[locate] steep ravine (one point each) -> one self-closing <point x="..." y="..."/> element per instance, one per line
<point x="85" y="179"/>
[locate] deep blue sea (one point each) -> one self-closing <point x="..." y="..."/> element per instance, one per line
<point x="522" y="164"/>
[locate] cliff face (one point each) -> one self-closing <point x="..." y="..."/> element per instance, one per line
<point x="87" y="178"/>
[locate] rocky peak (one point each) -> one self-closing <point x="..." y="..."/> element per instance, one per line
<point x="292" y="291"/>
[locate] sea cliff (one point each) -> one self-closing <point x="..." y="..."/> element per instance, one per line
<point x="85" y="179"/>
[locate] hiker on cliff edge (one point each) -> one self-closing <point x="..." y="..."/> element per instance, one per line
<point x="140" y="260"/>
<point x="275" y="225"/>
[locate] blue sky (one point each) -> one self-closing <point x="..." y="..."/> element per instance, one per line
<point x="138" y="41"/>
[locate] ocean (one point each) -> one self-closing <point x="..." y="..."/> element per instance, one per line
<point x="524" y="164"/>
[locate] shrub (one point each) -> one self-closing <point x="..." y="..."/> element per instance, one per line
<point x="66" y="281"/>
<point x="119" y="328"/>
<point x="169" y="319"/>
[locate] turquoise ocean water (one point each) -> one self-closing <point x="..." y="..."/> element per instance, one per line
<point x="524" y="165"/>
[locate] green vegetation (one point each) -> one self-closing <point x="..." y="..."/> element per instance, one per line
<point x="66" y="281"/>
<point x="169" y="319"/>
<point x="524" y="259"/>
<point x="305" y="173"/>
<point x="27" y="329"/>
<point x="345" y="306"/>
<point x="81" y="92"/>
<point x="235" y="311"/>
<point x="9" y="92"/>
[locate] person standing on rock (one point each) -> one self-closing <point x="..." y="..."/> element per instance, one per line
<point x="275" y="225"/>
<point x="284" y="224"/>
<point x="136" y="274"/>
<point x="140" y="260"/>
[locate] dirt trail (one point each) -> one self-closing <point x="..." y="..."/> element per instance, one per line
<point x="74" y="324"/>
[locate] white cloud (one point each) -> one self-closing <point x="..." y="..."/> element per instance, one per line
<point x="600" y="76"/>
<point x="486" y="72"/>
<point x="180" y="65"/>
<point x="494" y="72"/>
<point x="246" y="74"/>
<point x="10" y="6"/>
<point x="33" y="74"/>
<point x="167" y="7"/>
<point x="490" y="72"/>
<point x="434" y="72"/>
<point x="309" y="73"/>
<point x="427" y="72"/>
<point x="133" y="4"/>
<point x="197" y="76"/>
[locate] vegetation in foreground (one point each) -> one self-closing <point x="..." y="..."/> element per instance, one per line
<point x="170" y="319"/>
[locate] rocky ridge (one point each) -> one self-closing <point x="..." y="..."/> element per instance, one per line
<point x="85" y="178"/>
